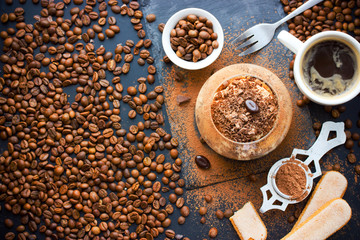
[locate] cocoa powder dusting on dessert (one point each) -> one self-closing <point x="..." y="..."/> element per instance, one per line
<point x="244" y="109"/>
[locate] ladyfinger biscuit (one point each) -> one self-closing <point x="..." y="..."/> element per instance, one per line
<point x="248" y="223"/>
<point x="323" y="223"/>
<point x="332" y="185"/>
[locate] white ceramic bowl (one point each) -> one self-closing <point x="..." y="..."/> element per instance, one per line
<point x="171" y="23"/>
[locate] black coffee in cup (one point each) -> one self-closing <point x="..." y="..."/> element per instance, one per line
<point x="330" y="67"/>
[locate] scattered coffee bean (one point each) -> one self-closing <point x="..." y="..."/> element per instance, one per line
<point x="335" y="113"/>
<point x="357" y="169"/>
<point x="161" y="27"/>
<point x="219" y="214"/>
<point x="166" y="59"/>
<point x="202" y="211"/>
<point x="181" y="220"/>
<point x="336" y="167"/>
<point x="300" y="103"/>
<point x="348" y="123"/>
<point x="8" y="223"/>
<point x="208" y="198"/>
<point x="202" y="220"/>
<point x="228" y="213"/>
<point x="151" y="18"/>
<point x="317" y="125"/>
<point x="349" y="144"/>
<point x="291" y="219"/>
<point x="202" y="162"/>
<point x="297" y="213"/>
<point x="213" y="232"/>
<point x="351" y="158"/>
<point x="355" y="136"/>
<point x="185" y="211"/>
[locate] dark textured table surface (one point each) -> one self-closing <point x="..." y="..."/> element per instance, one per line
<point x="235" y="16"/>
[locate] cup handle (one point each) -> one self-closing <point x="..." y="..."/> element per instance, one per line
<point x="289" y="41"/>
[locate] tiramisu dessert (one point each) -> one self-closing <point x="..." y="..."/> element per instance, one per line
<point x="244" y="109"/>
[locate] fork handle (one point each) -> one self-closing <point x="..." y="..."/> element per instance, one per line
<point x="297" y="11"/>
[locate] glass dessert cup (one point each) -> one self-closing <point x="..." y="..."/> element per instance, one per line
<point x="242" y="150"/>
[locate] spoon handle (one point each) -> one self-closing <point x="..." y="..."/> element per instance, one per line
<point x="299" y="10"/>
<point x="323" y="144"/>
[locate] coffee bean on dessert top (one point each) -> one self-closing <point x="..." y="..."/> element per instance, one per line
<point x="251" y="106"/>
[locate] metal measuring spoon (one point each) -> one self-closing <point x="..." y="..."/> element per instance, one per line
<point x="273" y="198"/>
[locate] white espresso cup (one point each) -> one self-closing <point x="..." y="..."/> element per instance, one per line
<point x="302" y="80"/>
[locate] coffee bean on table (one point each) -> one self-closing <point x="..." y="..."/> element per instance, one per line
<point x="172" y="198"/>
<point x="348" y="123"/>
<point x="8" y="223"/>
<point x="79" y="158"/>
<point x="351" y="158"/>
<point x="208" y="198"/>
<point x="219" y="214"/>
<point x="291" y="219"/>
<point x="10" y="236"/>
<point x="161" y="27"/>
<point x="202" y="162"/>
<point x="228" y="213"/>
<point x="357" y="169"/>
<point x="336" y="167"/>
<point x="213" y="232"/>
<point x="202" y="220"/>
<point x="349" y="144"/>
<point x="355" y="136"/>
<point x="181" y="220"/>
<point x="151" y="18"/>
<point x="185" y="211"/>
<point x="180" y="202"/>
<point x="202" y="211"/>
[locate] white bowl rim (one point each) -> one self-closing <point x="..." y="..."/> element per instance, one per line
<point x="171" y="23"/>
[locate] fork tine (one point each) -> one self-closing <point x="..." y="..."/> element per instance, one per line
<point x="247" y="43"/>
<point x="251" y="49"/>
<point x="245" y="35"/>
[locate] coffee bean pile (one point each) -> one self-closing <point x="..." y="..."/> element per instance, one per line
<point x="333" y="15"/>
<point x="193" y="38"/>
<point x="329" y="15"/>
<point x="71" y="169"/>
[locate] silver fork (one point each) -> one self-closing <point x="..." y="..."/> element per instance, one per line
<point x="260" y="35"/>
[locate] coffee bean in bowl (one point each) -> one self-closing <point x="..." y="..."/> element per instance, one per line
<point x="192" y="38"/>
